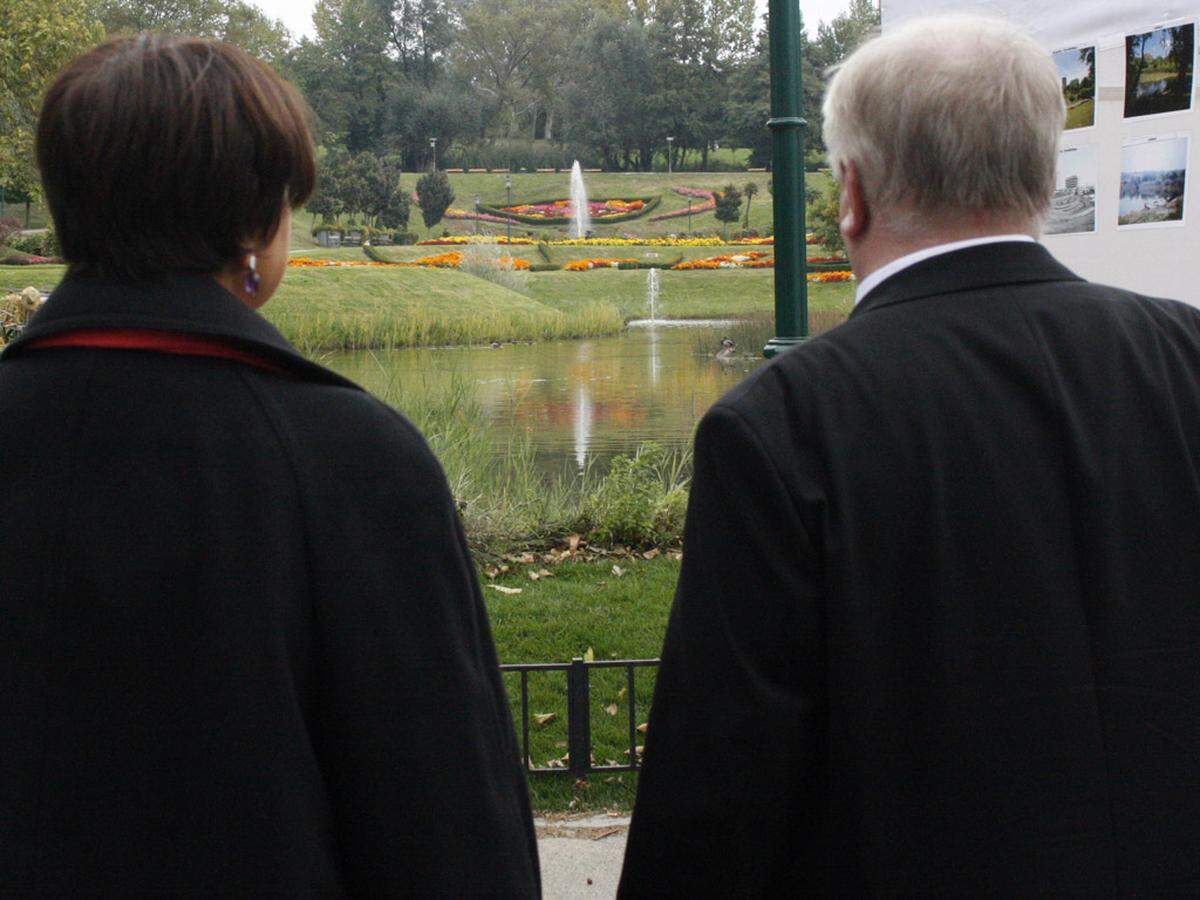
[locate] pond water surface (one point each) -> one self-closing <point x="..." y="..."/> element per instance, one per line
<point x="576" y="402"/>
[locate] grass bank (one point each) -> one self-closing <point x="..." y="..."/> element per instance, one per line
<point x="583" y="605"/>
<point x="325" y="309"/>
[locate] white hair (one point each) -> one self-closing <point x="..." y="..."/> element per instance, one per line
<point x="948" y="116"/>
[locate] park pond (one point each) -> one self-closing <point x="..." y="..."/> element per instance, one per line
<point x="576" y="403"/>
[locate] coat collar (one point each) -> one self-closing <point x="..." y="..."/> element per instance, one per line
<point x="187" y="303"/>
<point x="974" y="268"/>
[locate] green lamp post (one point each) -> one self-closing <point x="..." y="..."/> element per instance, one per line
<point x="787" y="173"/>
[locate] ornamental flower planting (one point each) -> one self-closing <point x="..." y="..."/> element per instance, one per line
<point x="754" y="259"/>
<point x="708" y="203"/>
<point x="459" y="240"/>
<point x="560" y="211"/>
<point x="586" y="265"/>
<point x="449" y="260"/>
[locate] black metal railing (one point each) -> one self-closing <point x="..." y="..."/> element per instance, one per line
<point x="579" y="714"/>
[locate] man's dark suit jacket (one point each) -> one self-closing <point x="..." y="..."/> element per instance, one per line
<point x="938" y="626"/>
<point x="243" y="650"/>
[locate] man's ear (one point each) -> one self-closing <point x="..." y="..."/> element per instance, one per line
<point x="854" y="214"/>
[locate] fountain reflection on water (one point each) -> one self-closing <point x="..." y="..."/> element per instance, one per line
<point x="577" y="402"/>
<point x="581" y="219"/>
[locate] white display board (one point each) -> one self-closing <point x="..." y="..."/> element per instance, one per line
<point x="1127" y="208"/>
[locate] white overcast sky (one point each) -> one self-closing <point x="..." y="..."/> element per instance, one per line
<point x="297" y="14"/>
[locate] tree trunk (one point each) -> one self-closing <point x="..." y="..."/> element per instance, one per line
<point x="704" y="158"/>
<point x="549" y="124"/>
<point x="27" y="204"/>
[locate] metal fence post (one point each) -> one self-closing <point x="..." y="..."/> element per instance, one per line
<point x="579" y="718"/>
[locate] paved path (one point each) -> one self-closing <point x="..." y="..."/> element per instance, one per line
<point x="581" y="856"/>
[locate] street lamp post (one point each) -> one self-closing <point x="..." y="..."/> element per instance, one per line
<point x="787" y="173"/>
<point x="477" y="214"/>
<point x="432" y="154"/>
<point x="670" y="144"/>
<point x="689" y="216"/>
<point x="508" y="188"/>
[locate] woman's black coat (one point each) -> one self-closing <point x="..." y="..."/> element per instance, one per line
<point x="242" y="645"/>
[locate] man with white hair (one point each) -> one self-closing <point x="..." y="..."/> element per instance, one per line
<point x="938" y="625"/>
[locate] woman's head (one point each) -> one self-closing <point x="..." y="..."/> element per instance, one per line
<point x="163" y="154"/>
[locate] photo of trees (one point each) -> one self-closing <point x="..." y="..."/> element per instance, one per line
<point x="1077" y="70"/>
<point x="1159" y="68"/>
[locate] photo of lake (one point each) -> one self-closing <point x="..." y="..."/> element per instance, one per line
<point x="1159" y="70"/>
<point x="1153" y="181"/>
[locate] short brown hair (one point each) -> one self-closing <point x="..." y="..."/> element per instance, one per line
<point x="164" y="154"/>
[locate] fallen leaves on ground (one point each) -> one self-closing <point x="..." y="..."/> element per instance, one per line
<point x="617" y="570"/>
<point x="504" y="590"/>
<point x="545" y="718"/>
<point x="611" y="709"/>
<point x="642" y="729"/>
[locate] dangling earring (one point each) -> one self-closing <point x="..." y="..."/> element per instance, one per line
<point x="252" y="279"/>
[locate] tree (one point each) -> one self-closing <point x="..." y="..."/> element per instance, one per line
<point x="233" y="21"/>
<point x="396" y="211"/>
<point x="729" y="207"/>
<point x="36" y="39"/>
<point x="434" y="196"/>
<point x="748" y="191"/>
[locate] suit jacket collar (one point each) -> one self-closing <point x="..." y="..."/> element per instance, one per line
<point x="975" y="268"/>
<point x="187" y="303"/>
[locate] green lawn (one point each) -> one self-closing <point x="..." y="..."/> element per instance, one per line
<point x="583" y="606"/>
<point x="377" y="307"/>
<point x="1082" y="116"/>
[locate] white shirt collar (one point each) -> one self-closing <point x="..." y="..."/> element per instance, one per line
<point x="880" y="275"/>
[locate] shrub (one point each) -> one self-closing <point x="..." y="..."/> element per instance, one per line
<point x="405" y="238"/>
<point x="8" y="227"/>
<point x="434" y="196"/>
<point x="26" y="243"/>
<point x="642" y="499"/>
<point x="824" y="218"/>
<point x="50" y="245"/>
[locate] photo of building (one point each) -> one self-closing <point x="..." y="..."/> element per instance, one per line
<point x="1073" y="207"/>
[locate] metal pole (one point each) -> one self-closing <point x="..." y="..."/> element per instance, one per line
<point x="508" y="186"/>
<point x="477" y="214"/>
<point x="579" y="718"/>
<point x="787" y="172"/>
<point x="670" y="145"/>
<point x="689" y="216"/>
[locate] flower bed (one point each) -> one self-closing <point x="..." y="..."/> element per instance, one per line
<point x="21" y="259"/>
<point x="560" y="212"/>
<point x="709" y="203"/>
<point x="461" y="239"/>
<point x="754" y="259"/>
<point x="586" y="265"/>
<point x="449" y="260"/>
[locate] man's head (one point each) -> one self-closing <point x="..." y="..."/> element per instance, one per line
<point x="944" y="129"/>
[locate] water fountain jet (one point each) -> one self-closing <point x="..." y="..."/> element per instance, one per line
<point x="581" y="220"/>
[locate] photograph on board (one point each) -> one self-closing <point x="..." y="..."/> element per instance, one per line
<point x="1153" y="180"/>
<point x="1077" y="70"/>
<point x="1073" y="207"/>
<point x="1159" y="69"/>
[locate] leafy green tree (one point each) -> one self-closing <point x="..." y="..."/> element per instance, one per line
<point x="235" y="21"/>
<point x="37" y="38"/>
<point x="729" y="207"/>
<point x="434" y="196"/>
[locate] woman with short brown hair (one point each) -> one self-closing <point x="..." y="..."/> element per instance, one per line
<point x="243" y="646"/>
